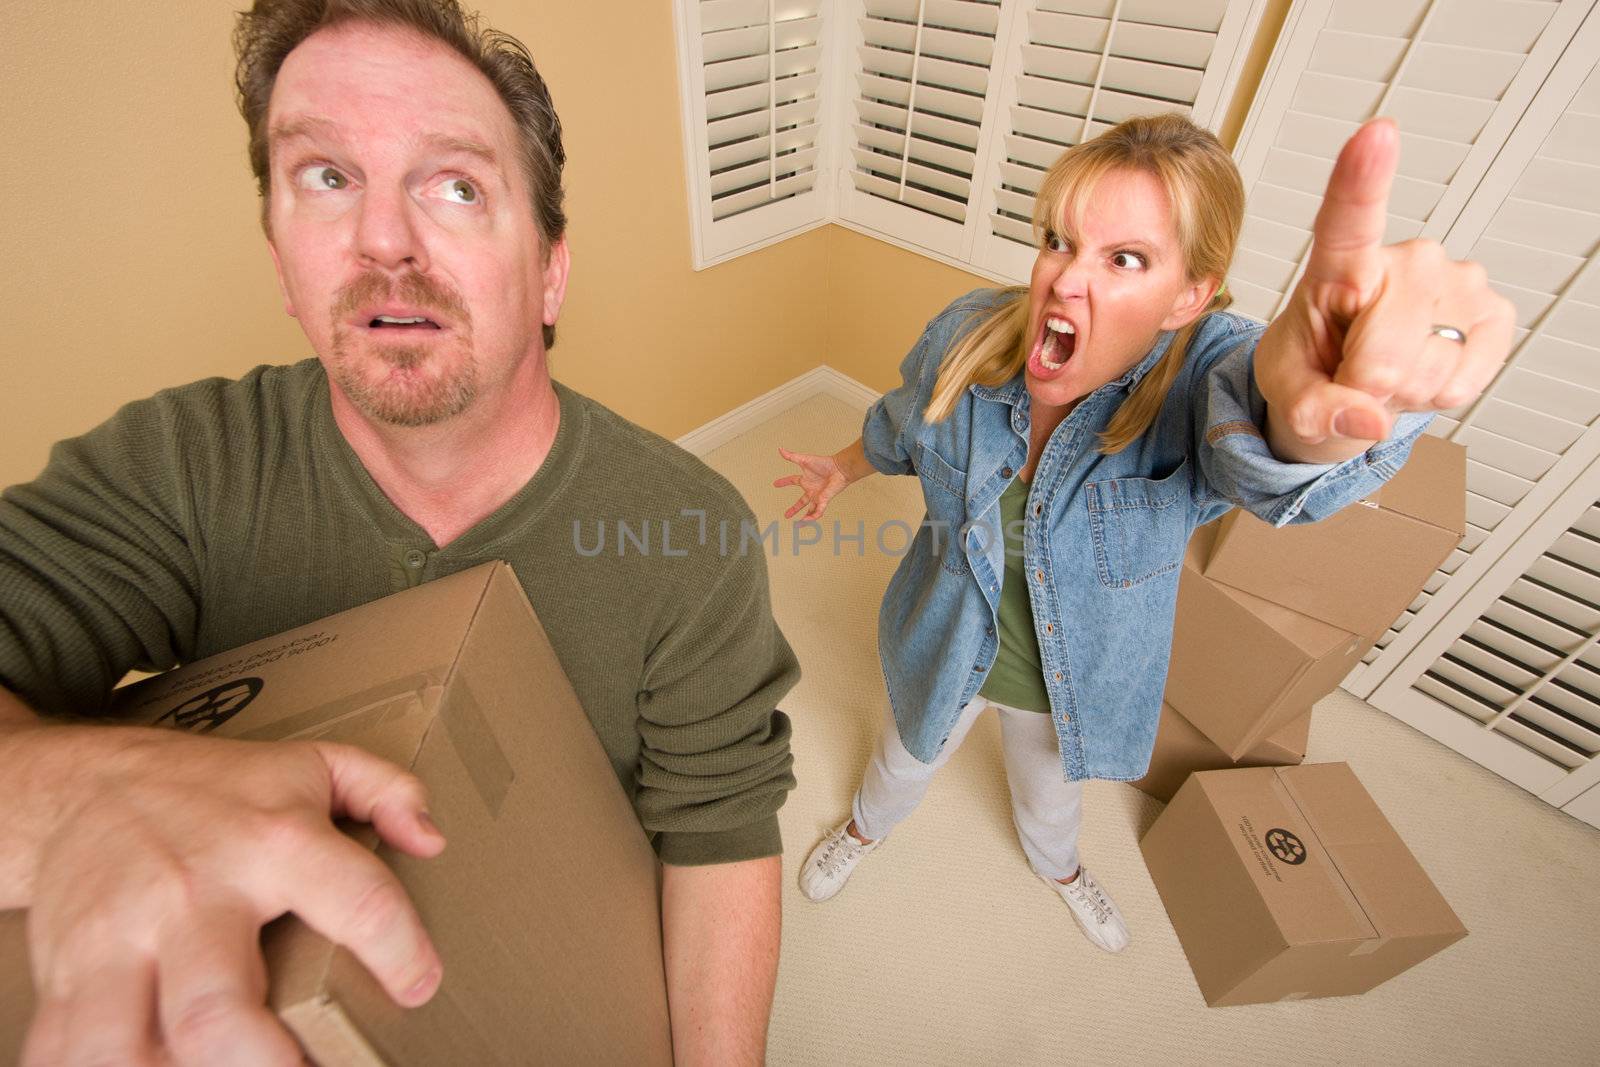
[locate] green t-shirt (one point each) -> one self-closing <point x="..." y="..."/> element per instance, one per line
<point x="222" y="512"/>
<point x="1017" y="677"/>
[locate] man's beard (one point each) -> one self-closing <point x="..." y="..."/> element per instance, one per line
<point x="409" y="401"/>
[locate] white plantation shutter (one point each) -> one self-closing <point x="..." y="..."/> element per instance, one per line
<point x="921" y="75"/>
<point x="1496" y="656"/>
<point x="753" y="73"/>
<point x="1455" y="74"/>
<point x="1084" y="65"/>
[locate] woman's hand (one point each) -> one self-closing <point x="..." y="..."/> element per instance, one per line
<point x="1373" y="330"/>
<point x="820" y="479"/>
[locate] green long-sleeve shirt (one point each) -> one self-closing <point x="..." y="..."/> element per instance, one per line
<point x="221" y="512"/>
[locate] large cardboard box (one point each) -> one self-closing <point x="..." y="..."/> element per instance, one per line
<point x="1288" y="882"/>
<point x="1359" y="569"/>
<point x="1242" y="667"/>
<point x="544" y="905"/>
<point x="1181" y="750"/>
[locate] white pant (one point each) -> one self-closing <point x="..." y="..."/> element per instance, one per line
<point x="1046" y="809"/>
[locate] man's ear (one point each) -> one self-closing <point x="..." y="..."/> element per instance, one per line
<point x="557" y="265"/>
<point x="283" y="286"/>
<point x="1190" y="303"/>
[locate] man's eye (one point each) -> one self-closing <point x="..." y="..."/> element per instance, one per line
<point x="323" y="178"/>
<point x="459" y="191"/>
<point x="1128" y="260"/>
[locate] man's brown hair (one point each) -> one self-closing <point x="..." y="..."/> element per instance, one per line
<point x="271" y="29"/>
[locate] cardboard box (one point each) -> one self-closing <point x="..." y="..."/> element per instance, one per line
<point x="1359" y="569"/>
<point x="1288" y="882"/>
<point x="1182" y="750"/>
<point x="552" y="953"/>
<point x="1243" y="668"/>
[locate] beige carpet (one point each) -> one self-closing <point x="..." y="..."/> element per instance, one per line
<point x="944" y="948"/>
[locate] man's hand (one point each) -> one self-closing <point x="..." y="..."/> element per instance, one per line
<point x="1356" y="344"/>
<point x="163" y="854"/>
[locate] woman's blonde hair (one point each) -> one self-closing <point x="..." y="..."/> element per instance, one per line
<point x="1207" y="198"/>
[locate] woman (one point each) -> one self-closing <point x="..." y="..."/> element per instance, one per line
<point x="1070" y="436"/>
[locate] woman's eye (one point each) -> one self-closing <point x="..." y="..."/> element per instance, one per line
<point x="1055" y="242"/>
<point x="459" y="191"/>
<point x="323" y="177"/>
<point x="1128" y="260"/>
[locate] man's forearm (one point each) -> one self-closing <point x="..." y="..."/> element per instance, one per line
<point x="28" y="765"/>
<point x="720" y="928"/>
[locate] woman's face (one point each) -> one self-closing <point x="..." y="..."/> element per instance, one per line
<point x="1100" y="297"/>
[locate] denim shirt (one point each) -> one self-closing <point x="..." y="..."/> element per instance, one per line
<point x="1104" y="537"/>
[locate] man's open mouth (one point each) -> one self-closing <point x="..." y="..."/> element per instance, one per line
<point x="396" y="322"/>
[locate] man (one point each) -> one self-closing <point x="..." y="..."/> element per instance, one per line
<point x="409" y="167"/>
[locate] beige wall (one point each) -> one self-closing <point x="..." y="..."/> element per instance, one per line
<point x="130" y="258"/>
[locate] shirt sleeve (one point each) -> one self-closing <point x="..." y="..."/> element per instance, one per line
<point x="715" y="764"/>
<point x="97" y="576"/>
<point x="883" y="431"/>
<point x="1238" y="467"/>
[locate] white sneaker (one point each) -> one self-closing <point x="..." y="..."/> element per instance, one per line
<point x="1094" y="910"/>
<point x="828" y="867"/>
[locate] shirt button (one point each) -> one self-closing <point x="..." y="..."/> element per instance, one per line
<point x="1058" y="676"/>
<point x="977" y="670"/>
<point x="1049" y="627"/>
<point x="1006" y="472"/>
<point x="1039" y="574"/>
<point x="1038" y="508"/>
<point x="415" y="559"/>
<point x="1065" y="717"/>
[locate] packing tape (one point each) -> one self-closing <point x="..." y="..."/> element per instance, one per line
<point x="374" y="702"/>
<point x="469" y="731"/>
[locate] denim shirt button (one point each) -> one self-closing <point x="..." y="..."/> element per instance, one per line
<point x="1006" y="472"/>
<point x="1039" y="574"/>
<point x="1037" y="508"/>
<point x="1058" y="676"/>
<point x="1049" y="627"/>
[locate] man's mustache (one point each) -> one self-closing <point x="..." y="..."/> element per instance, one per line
<point x="417" y="291"/>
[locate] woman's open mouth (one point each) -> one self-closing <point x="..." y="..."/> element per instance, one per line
<point x="1052" y="351"/>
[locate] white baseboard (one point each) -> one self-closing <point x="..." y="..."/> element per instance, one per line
<point x="822" y="380"/>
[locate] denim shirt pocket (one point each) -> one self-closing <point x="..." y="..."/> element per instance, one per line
<point x="1140" y="526"/>
<point x="944" y="489"/>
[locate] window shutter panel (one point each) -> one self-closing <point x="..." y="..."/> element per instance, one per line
<point x="1455" y="74"/>
<point x="752" y="72"/>
<point x="1497" y="657"/>
<point x="1081" y="66"/>
<point x="916" y="123"/>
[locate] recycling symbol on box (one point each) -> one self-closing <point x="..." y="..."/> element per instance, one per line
<point x="1284" y="845"/>
<point x="206" y="711"/>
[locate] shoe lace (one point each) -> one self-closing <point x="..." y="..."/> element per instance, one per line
<point x="836" y="854"/>
<point x="1093" y="897"/>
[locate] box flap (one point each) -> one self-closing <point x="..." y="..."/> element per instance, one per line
<point x="1394" y="891"/>
<point x="342" y="664"/>
<point x="1428" y="487"/>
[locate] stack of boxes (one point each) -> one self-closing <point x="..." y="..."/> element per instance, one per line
<point x="1271" y="620"/>
<point x="1284" y="880"/>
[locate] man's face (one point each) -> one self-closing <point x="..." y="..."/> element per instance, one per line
<point x="401" y="226"/>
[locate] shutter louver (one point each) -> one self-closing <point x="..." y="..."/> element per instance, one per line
<point x="1083" y="66"/>
<point x="756" y="73"/>
<point x="917" y="129"/>
<point x="1455" y="74"/>
<point x="1497" y="656"/>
